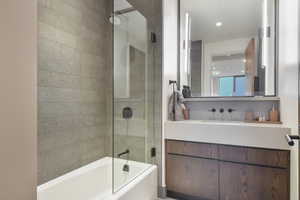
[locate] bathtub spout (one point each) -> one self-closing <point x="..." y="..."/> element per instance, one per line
<point x="126" y="168"/>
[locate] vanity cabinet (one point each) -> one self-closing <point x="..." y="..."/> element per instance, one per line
<point x="222" y="172"/>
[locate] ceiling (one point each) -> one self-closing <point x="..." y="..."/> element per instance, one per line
<point x="240" y="18"/>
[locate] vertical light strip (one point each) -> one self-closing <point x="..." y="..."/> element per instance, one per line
<point x="264" y="33"/>
<point x="187" y="42"/>
<point x="189" y="53"/>
<point x="265" y="42"/>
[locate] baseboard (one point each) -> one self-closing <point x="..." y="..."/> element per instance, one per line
<point x="181" y="196"/>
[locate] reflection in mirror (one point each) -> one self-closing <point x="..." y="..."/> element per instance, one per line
<point x="130" y="48"/>
<point x="227" y="47"/>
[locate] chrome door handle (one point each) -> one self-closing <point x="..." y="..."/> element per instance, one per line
<point x="290" y="139"/>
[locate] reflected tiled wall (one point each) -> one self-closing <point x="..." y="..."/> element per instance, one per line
<point x="72" y="84"/>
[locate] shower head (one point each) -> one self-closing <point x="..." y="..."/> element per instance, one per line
<point x="115" y="20"/>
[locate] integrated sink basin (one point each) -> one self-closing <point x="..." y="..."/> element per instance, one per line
<point x="228" y="132"/>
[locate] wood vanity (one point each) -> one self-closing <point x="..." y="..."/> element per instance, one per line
<point x="205" y="171"/>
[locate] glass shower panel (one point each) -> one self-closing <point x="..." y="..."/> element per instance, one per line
<point x="133" y="104"/>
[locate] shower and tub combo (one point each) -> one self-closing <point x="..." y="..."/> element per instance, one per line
<point x="98" y="102"/>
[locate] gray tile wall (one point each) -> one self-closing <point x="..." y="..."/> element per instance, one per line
<point x="73" y="86"/>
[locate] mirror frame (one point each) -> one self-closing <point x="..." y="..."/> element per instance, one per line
<point x="276" y="55"/>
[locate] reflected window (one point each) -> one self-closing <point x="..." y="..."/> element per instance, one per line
<point x="226" y="86"/>
<point x="232" y="86"/>
<point x="240" y="86"/>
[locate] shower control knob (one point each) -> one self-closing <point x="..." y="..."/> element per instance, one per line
<point x="221" y="110"/>
<point x="127" y="113"/>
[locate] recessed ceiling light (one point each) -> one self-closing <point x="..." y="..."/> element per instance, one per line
<point x="216" y="73"/>
<point x="218" y="24"/>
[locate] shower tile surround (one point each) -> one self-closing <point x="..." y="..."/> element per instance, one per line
<point x="72" y="94"/>
<point x="202" y="110"/>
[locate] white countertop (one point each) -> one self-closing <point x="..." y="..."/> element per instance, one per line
<point x="216" y="99"/>
<point x="232" y="133"/>
<point x="229" y="123"/>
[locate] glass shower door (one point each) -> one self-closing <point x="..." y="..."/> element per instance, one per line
<point x="133" y="94"/>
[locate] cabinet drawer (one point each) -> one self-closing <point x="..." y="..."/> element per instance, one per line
<point x="192" y="178"/>
<point x="192" y="149"/>
<point x="265" y="157"/>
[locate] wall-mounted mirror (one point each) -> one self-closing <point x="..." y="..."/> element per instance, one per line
<point x="228" y="47"/>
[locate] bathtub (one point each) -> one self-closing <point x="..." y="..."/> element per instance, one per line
<point x="94" y="182"/>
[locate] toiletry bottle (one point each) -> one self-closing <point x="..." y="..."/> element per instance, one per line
<point x="185" y="112"/>
<point x="249" y="116"/>
<point x="274" y="115"/>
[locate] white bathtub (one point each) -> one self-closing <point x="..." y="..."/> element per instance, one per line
<point x="94" y="182"/>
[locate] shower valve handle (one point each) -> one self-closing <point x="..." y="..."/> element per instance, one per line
<point x="123" y="153"/>
<point x="127" y="113"/>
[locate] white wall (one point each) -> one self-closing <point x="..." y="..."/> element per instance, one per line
<point x="169" y="62"/>
<point x="18" y="69"/>
<point x="288" y="77"/>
